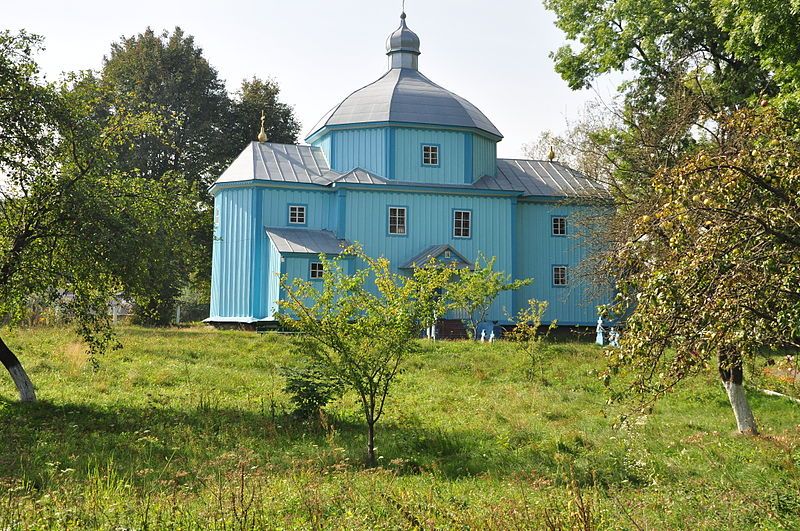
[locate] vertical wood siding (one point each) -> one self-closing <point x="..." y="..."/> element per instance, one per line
<point x="484" y="157"/>
<point x="538" y="251"/>
<point x="430" y="223"/>
<point x="358" y="148"/>
<point x="408" y="156"/>
<point x="233" y="253"/>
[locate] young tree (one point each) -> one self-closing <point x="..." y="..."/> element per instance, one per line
<point x="73" y="229"/>
<point x="475" y="290"/>
<point x="360" y="327"/>
<point x="710" y="271"/>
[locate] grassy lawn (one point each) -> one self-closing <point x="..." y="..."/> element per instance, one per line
<point x="190" y="429"/>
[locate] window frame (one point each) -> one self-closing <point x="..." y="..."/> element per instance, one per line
<point x="311" y="270"/>
<point x="553" y="275"/>
<point x="470" y="224"/>
<point x="553" y="226"/>
<point x="437" y="154"/>
<point x="389" y="232"/>
<point x="304" y="210"/>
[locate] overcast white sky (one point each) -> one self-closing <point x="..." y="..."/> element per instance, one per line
<point x="492" y="52"/>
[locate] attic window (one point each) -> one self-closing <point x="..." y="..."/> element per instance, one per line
<point x="430" y="155"/>
<point x="297" y="214"/>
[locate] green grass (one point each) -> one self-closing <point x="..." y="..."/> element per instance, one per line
<point x="190" y="429"/>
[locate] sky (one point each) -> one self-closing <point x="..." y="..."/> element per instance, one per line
<point x="495" y="53"/>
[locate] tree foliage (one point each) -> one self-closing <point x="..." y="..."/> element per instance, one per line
<point x="360" y="326"/>
<point x="74" y="228"/>
<point x="476" y="290"/>
<point x="199" y="129"/>
<point x="714" y="260"/>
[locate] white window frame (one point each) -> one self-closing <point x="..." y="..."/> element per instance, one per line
<point x="316" y="273"/>
<point x="430" y="155"/>
<point x="560" y="276"/>
<point x="394" y="218"/>
<point x="298" y="211"/>
<point x="465" y="224"/>
<point x="558" y="226"/>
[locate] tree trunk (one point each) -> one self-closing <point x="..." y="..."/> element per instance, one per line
<point x="371" y="462"/>
<point x="732" y="374"/>
<point x="18" y="374"/>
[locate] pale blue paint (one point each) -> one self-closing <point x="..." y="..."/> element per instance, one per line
<point x="538" y="251"/>
<point x="408" y="156"/>
<point x="484" y="157"/>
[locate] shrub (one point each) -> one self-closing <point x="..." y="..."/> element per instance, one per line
<point x="310" y="388"/>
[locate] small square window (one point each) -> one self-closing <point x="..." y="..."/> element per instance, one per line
<point x="297" y="215"/>
<point x="462" y="224"/>
<point x="559" y="226"/>
<point x="559" y="275"/>
<point x="397" y="221"/>
<point x="430" y="155"/>
<point x="315" y="270"/>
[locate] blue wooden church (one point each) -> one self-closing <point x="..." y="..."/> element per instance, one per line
<point x="409" y="170"/>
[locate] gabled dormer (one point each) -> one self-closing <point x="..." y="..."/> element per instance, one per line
<point x="405" y="127"/>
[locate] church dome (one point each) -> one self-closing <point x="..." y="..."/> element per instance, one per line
<point x="404" y="95"/>
<point x="403" y="39"/>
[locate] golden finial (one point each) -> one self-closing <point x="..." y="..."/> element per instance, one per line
<point x="551" y="154"/>
<point x="262" y="136"/>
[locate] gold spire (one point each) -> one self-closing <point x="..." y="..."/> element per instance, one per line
<point x="262" y="136"/>
<point x="551" y="154"/>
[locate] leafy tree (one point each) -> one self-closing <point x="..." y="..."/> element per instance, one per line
<point x="712" y="267"/>
<point x="476" y="289"/>
<point x="360" y="327"/>
<point x="254" y="97"/>
<point x="200" y="130"/>
<point x="74" y="230"/>
<point x="526" y="331"/>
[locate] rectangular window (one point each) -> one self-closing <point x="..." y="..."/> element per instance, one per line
<point x="430" y="155"/>
<point x="559" y="226"/>
<point x="462" y="224"/>
<point x="559" y="275"/>
<point x="397" y="221"/>
<point x="315" y="270"/>
<point x="297" y="215"/>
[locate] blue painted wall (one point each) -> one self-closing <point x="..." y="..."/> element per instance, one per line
<point x="430" y="223"/>
<point x="396" y="153"/>
<point x="538" y="251"/>
<point x="484" y="157"/>
<point x="236" y="220"/>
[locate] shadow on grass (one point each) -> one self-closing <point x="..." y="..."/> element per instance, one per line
<point x="152" y="443"/>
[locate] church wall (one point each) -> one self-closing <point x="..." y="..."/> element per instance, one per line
<point x="538" y="251"/>
<point x="357" y="148"/>
<point x="236" y="222"/>
<point x="484" y="156"/>
<point x="453" y="163"/>
<point x="430" y="223"/>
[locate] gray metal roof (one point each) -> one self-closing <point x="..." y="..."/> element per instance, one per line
<point x="404" y="95"/>
<point x="361" y="176"/>
<point x="305" y="241"/>
<point x="541" y="178"/>
<point x="290" y="163"/>
<point x="434" y="253"/>
<point x="279" y="162"/>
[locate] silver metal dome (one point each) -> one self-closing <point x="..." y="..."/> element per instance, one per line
<point x="403" y="39"/>
<point x="404" y="95"/>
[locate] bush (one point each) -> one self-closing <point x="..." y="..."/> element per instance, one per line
<point x="310" y="388"/>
